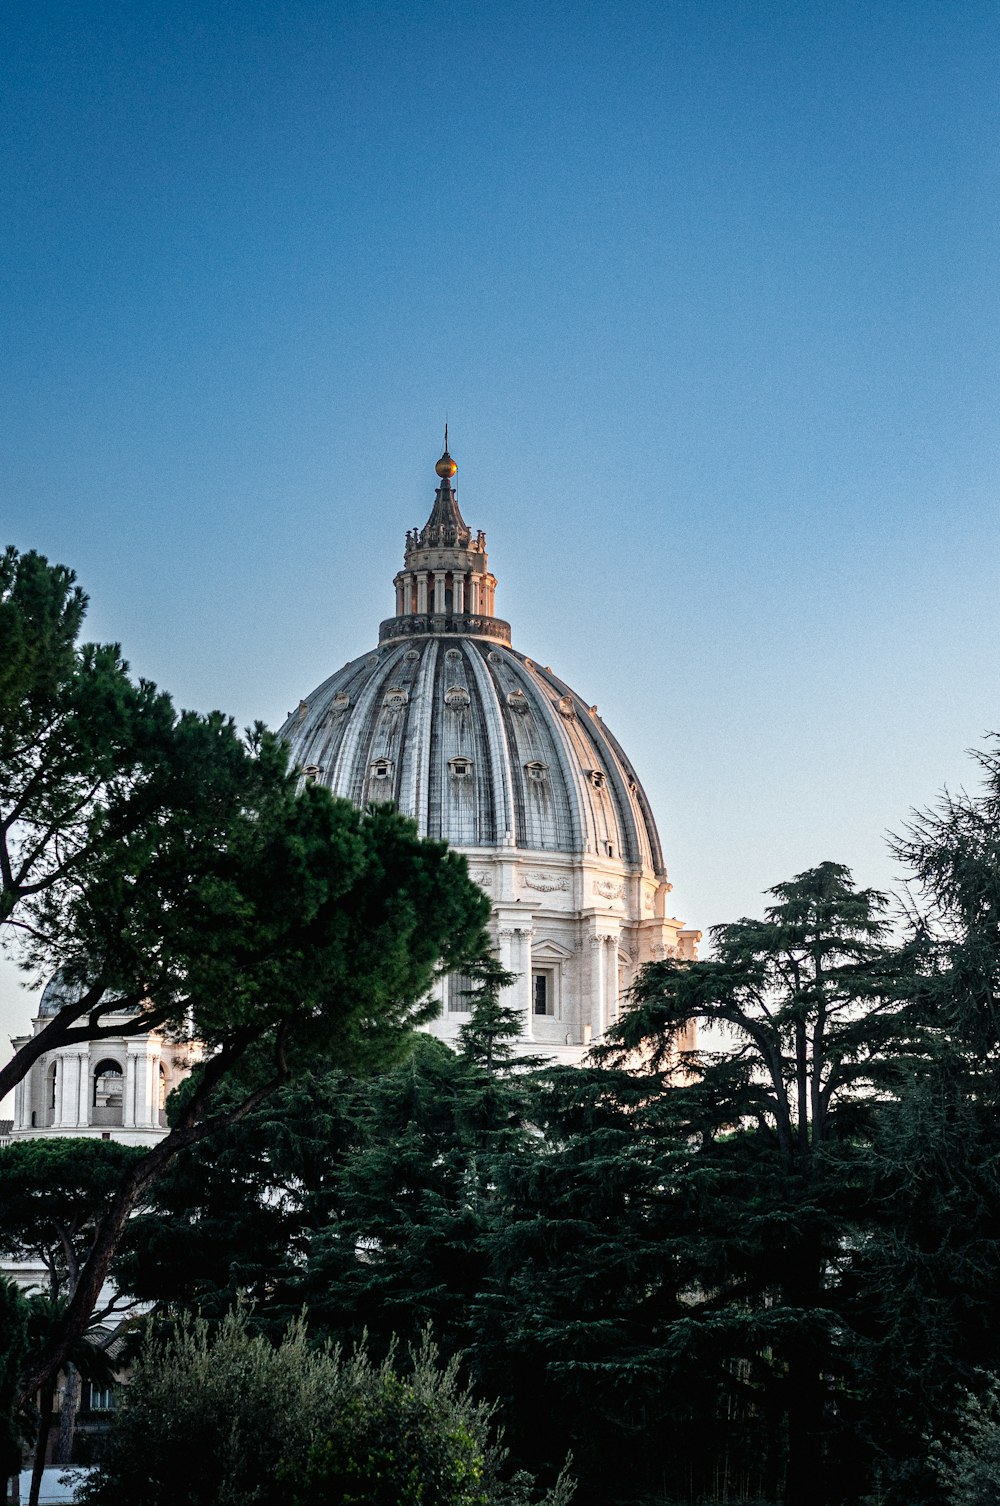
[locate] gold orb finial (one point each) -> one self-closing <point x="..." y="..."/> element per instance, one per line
<point x="446" y="467"/>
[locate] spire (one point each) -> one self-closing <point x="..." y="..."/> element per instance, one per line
<point x="445" y="528"/>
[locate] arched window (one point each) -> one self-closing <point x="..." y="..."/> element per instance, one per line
<point x="109" y="1092"/>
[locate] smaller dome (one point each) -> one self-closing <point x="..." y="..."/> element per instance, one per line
<point x="58" y="993"/>
<point x="446" y="467"/>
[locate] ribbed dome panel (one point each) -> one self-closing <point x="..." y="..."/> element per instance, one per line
<point x="481" y="746"/>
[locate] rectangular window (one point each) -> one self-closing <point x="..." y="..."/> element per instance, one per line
<point x="460" y="999"/>
<point x="98" y="1398"/>
<point x="542" y="1001"/>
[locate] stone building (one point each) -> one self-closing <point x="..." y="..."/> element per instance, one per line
<point x="495" y="754"/>
<point x="112" y="1089"/>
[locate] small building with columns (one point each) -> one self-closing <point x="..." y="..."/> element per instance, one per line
<point x="498" y="756"/>
<point x="112" y="1089"/>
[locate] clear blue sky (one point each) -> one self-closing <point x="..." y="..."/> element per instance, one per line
<point x="709" y="293"/>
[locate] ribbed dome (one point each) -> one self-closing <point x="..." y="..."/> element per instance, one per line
<point x="504" y="761"/>
<point x="482" y="746"/>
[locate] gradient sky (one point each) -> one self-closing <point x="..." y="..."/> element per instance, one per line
<point x="708" y="292"/>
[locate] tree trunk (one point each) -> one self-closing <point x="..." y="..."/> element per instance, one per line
<point x="52" y="1356"/>
<point x="806" y="1391"/>
<point x="67" y="1416"/>
<point x="42" y="1441"/>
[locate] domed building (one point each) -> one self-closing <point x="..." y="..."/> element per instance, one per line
<point x="498" y="756"/>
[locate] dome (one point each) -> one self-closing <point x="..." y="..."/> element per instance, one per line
<point x="57" y="993"/>
<point x="482" y="746"/>
<point x="503" y="760"/>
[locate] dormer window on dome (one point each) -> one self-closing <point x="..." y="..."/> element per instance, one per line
<point x="460" y="768"/>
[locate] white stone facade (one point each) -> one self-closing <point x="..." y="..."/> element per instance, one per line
<point x="112" y="1089"/>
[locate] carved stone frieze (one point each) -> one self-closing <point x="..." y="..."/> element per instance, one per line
<point x="609" y="889"/>
<point x="544" y="883"/>
<point x="432" y="624"/>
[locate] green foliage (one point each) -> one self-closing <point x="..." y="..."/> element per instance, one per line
<point x="13" y="1348"/>
<point x="52" y="1195"/>
<point x="395" y="1440"/>
<point x="967" y="1461"/>
<point x="75" y="734"/>
<point x="180" y="878"/>
<point x="366" y="1201"/>
<point x="488" y="1038"/>
<point x="168" y="867"/>
<point x="225" y="1418"/>
<point x="771" y="1167"/>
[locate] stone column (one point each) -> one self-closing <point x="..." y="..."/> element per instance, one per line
<point x="60" y="1088"/>
<point x="128" y="1097"/>
<point x="611" y="987"/>
<point x="597" y="981"/>
<point x="439" y="589"/>
<point x="458" y="594"/>
<point x="506" y="939"/>
<point x="144" y="1105"/>
<point x="422" y="592"/>
<point x="64" y="1095"/>
<point x="474" y="594"/>
<point x="83" y="1087"/>
<point x="523" y="969"/>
